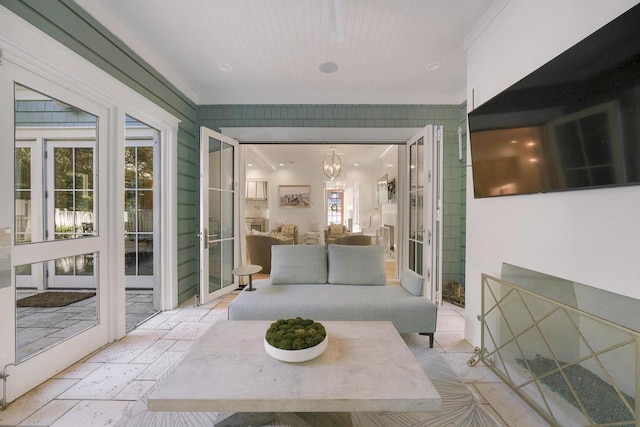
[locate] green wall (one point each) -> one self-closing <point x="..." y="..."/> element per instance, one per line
<point x="357" y="115"/>
<point x="69" y="24"/>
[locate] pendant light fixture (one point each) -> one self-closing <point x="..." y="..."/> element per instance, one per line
<point x="332" y="164"/>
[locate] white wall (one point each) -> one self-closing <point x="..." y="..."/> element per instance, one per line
<point x="308" y="219"/>
<point x="588" y="236"/>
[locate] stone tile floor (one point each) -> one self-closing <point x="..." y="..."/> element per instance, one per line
<point x="39" y="328"/>
<point x="97" y="390"/>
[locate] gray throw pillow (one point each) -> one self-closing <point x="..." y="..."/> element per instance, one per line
<point x="356" y="265"/>
<point x="298" y="264"/>
<point x="412" y="282"/>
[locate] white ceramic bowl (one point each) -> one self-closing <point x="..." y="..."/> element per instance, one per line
<point x="297" y="355"/>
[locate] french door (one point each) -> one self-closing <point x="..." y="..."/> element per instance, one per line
<point x="54" y="220"/>
<point x="423" y="215"/>
<point x="219" y="203"/>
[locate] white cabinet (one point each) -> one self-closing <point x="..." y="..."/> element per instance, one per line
<point x="257" y="190"/>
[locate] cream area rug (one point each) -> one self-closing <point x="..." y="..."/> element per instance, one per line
<point x="459" y="408"/>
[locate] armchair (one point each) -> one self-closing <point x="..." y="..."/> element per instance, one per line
<point x="287" y="231"/>
<point x="259" y="250"/>
<point x="333" y="231"/>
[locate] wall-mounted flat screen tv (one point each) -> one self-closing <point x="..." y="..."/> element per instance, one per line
<point x="572" y="124"/>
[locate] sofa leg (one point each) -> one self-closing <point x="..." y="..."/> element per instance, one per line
<point x="430" y="335"/>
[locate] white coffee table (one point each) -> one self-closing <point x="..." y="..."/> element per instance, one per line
<point x="366" y="367"/>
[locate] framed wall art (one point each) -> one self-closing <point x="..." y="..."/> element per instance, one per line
<point x="294" y="196"/>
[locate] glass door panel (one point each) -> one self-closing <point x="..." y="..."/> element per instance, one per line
<point x="58" y="313"/>
<point x="219" y="208"/>
<point x="424" y="211"/>
<point x="416" y="222"/>
<point x="141" y="204"/>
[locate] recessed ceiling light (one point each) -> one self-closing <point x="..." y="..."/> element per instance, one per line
<point x="356" y="164"/>
<point x="328" y="67"/>
<point x="281" y="164"/>
<point x="433" y="65"/>
<point x="227" y="68"/>
<point x="250" y="164"/>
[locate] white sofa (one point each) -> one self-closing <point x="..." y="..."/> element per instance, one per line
<point x="337" y="282"/>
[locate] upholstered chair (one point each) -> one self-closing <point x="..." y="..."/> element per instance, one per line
<point x="352" y="239"/>
<point x="333" y="231"/>
<point x="286" y="231"/>
<point x="259" y="250"/>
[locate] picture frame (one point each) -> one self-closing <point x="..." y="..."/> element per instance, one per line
<point x="294" y="196"/>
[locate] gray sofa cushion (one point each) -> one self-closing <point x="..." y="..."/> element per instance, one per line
<point x="412" y="282"/>
<point x="356" y="265"/>
<point x="300" y="264"/>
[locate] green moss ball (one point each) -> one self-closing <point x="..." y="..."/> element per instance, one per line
<point x="295" y="334"/>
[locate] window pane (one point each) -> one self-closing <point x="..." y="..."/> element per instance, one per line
<point x="130" y="164"/>
<point x="227" y="215"/>
<point x="140" y="143"/>
<point x="413" y="166"/>
<point x="51" y="308"/>
<point x="227" y="166"/>
<point x="215" y="266"/>
<point x="145" y="254"/>
<point x="23" y="194"/>
<point x="23" y="168"/>
<point x="131" y="211"/>
<point x="227" y="262"/>
<point x="145" y="167"/>
<point x="81" y="265"/>
<point x="54" y="181"/>
<point x="215" y="199"/>
<point x="420" y="177"/>
<point x="419" y="215"/>
<point x="63" y="167"/>
<point x="215" y="163"/>
<point x="412" y="216"/>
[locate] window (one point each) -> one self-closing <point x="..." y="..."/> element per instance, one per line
<point x="335" y="202"/>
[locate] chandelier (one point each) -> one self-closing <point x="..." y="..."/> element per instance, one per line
<point x="332" y="164"/>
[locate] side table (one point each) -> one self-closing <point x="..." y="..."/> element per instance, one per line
<point x="247" y="270"/>
<point x="312" y="238"/>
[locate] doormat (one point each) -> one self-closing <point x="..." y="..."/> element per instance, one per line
<point x="53" y="299"/>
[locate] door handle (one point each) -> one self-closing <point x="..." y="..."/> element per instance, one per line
<point x="204" y="236"/>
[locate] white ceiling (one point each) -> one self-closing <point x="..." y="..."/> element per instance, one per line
<point x="285" y="156"/>
<point x="382" y="47"/>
